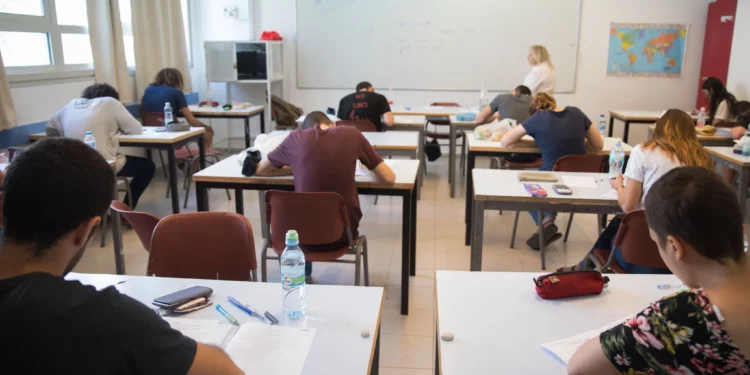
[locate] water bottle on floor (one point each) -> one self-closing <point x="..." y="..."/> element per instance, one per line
<point x="602" y="126"/>
<point x="616" y="159"/>
<point x="168" y="117"/>
<point x="90" y="140"/>
<point x="701" y="118"/>
<point x="293" y="277"/>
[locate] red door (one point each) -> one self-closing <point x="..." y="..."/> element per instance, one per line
<point x="718" y="44"/>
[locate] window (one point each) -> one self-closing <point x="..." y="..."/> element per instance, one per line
<point x="45" y="38"/>
<point x="127" y="31"/>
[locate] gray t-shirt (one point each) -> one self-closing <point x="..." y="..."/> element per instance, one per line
<point x="511" y="106"/>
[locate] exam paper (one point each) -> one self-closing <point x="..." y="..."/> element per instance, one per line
<point x="262" y="349"/>
<point x="205" y="331"/>
<point x="579" y="181"/>
<point x="565" y="348"/>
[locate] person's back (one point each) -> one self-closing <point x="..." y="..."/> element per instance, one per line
<point x="512" y="106"/>
<point x="366" y="104"/>
<point x="156" y="96"/>
<point x="558" y="133"/>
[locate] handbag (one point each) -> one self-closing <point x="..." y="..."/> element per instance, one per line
<point x="570" y="284"/>
<point x="432" y="150"/>
<point x="250" y="164"/>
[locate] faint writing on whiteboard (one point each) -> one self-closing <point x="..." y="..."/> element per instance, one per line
<point x="413" y="23"/>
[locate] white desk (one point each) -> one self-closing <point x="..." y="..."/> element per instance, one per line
<point x="496" y="189"/>
<point x="245" y="113"/>
<point x="338" y="313"/>
<point x="227" y="174"/>
<point x="634" y="117"/>
<point x="722" y="137"/>
<point x="428" y="110"/>
<point x="499" y="323"/>
<point x="741" y="164"/>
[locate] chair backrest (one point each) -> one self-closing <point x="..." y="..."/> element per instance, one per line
<point x="143" y="223"/>
<point x="581" y="163"/>
<point x="203" y="245"/>
<point x="635" y="243"/>
<point x="152" y="118"/>
<point x="363" y="125"/>
<point x="444" y="104"/>
<point x="318" y="218"/>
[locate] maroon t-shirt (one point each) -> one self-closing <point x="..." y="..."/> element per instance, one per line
<point x="325" y="161"/>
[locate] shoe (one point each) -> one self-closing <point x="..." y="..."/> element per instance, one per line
<point x="550" y="235"/>
<point x="309" y="280"/>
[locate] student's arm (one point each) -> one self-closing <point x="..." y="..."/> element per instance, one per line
<point x="513" y="136"/>
<point x="185" y="112"/>
<point x="589" y="359"/>
<point x="266" y="168"/>
<point x="738" y="132"/>
<point x="385" y="109"/>
<point x="485" y="115"/>
<point x="595" y="141"/>
<point x="721" y="118"/>
<point x="372" y="160"/>
<point x="212" y="360"/>
<point x="125" y="121"/>
<point x="388" y="119"/>
<point x="628" y="196"/>
<point x="384" y="173"/>
<point x="54" y="126"/>
<point x="277" y="162"/>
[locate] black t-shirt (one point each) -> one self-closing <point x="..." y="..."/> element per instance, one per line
<point x="364" y="105"/>
<point x="53" y="326"/>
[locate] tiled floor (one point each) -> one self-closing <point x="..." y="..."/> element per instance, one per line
<point x="407" y="344"/>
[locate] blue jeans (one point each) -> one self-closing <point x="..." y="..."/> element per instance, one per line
<point x="535" y="215"/>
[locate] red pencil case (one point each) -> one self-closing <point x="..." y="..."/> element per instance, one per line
<point x="570" y="284"/>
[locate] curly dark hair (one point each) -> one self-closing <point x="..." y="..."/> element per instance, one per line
<point x="170" y="77"/>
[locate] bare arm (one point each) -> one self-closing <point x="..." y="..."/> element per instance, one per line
<point x="54" y="126"/>
<point x="513" y="136"/>
<point x="388" y="119"/>
<point x="265" y="168"/>
<point x="629" y="196"/>
<point x="595" y="141"/>
<point x="125" y="121"/>
<point x="384" y="173"/>
<point x="590" y="359"/>
<point x="738" y="132"/>
<point x="190" y="118"/>
<point x="212" y="360"/>
<point x="485" y="115"/>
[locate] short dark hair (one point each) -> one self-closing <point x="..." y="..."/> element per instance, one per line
<point x="100" y="90"/>
<point x="697" y="206"/>
<point x="169" y="77"/>
<point x="315" y="118"/>
<point x="363" y="85"/>
<point x="522" y="90"/>
<point x="52" y="188"/>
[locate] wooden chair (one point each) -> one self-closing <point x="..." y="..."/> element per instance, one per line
<point x="319" y="219"/>
<point x="634" y="242"/>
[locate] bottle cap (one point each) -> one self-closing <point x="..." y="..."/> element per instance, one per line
<point x="88" y="133"/>
<point x="292" y="238"/>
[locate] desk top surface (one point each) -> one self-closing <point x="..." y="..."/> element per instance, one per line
<point x="149" y="135"/>
<point x="218" y="111"/>
<point x="499" y="323"/>
<point x="727" y="153"/>
<point x="339" y="313"/>
<point x="631" y="115"/>
<point x="428" y="110"/>
<point x="529" y="147"/>
<point x="402" y="140"/>
<point x="722" y="134"/>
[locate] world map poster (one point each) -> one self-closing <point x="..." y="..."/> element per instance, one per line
<point x="638" y="49"/>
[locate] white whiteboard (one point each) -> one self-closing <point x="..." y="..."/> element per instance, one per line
<point x="433" y="44"/>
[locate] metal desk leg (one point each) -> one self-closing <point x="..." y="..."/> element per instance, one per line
<point x="263" y="121"/>
<point x="452" y="161"/>
<point x="247" y="132"/>
<point x="625" y="133"/>
<point x="239" y="203"/>
<point x="413" y="232"/>
<point x="611" y="125"/>
<point x="419" y="175"/>
<point x="437" y="352"/>
<point x="477" y="233"/>
<point x="471" y="160"/>
<point x="172" y="165"/>
<point x="264" y="228"/>
<point x="201" y="197"/>
<point x="375" y="368"/>
<point x="420" y="150"/>
<point x="202" y="152"/>
<point x="117" y="238"/>
<point x="742" y="188"/>
<point x="405" y="252"/>
<point x="541" y="239"/>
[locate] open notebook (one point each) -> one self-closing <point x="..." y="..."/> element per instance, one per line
<point x="256" y="348"/>
<point x="565" y="348"/>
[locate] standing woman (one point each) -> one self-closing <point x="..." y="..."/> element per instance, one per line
<point x="542" y="76"/>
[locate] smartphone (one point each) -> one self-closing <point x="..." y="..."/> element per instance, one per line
<point x="175" y="299"/>
<point x="535" y="190"/>
<point x="562" y="189"/>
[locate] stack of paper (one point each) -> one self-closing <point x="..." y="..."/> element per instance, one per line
<point x="565" y="348"/>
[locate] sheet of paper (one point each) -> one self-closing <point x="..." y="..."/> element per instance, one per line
<point x="262" y="349"/>
<point x="202" y="330"/>
<point x="564" y="349"/>
<point x="579" y="181"/>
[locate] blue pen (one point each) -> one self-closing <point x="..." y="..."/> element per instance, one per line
<point x="246" y="308"/>
<point x="226" y="315"/>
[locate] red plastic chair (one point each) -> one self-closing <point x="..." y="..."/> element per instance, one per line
<point x="363" y="125"/>
<point x="635" y="243"/>
<point x="204" y="245"/>
<point x="319" y="219"/>
<point x="445" y="121"/>
<point x="143" y="223"/>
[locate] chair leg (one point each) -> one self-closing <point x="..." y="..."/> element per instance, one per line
<point x="376" y="200"/>
<point x="263" y="260"/>
<point x="254" y="274"/>
<point x="495" y="163"/>
<point x="357" y="265"/>
<point x="513" y="234"/>
<point x="463" y="155"/>
<point x="567" y="230"/>
<point x="104" y="226"/>
<point x="163" y="166"/>
<point x="188" y="173"/>
<point x="364" y="261"/>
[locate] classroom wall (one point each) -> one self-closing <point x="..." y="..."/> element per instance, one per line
<point x="738" y="80"/>
<point x="595" y="92"/>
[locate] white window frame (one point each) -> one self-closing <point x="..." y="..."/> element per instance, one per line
<point x="45" y="24"/>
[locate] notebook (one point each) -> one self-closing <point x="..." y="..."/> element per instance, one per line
<point x="537" y="177"/>
<point x="254" y="347"/>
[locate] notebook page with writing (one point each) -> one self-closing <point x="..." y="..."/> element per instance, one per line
<point x="262" y="349"/>
<point x="565" y="348"/>
<point x="204" y="331"/>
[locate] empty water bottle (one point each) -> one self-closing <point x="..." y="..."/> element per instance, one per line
<point x="293" y="277"/>
<point x="746" y="148"/>
<point x="90" y="140"/>
<point x="483" y="97"/>
<point x="616" y="159"/>
<point x="602" y="125"/>
<point x="701" y="118"/>
<point x="168" y="116"/>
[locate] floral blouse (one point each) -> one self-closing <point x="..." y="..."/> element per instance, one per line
<point x="678" y="335"/>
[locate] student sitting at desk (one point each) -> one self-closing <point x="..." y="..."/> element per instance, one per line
<point x="324" y="159"/>
<point x="366" y="104"/>
<point x="99" y="111"/>
<point x="167" y="88"/>
<point x="695" y="220"/>
<point x="515" y="105"/>
<point x="672" y="145"/>
<point x="558" y="132"/>
<point x="721" y="111"/>
<point x="54" y="196"/>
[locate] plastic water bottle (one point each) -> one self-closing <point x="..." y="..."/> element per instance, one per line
<point x="293" y="277"/>
<point x="602" y="126"/>
<point x="90" y="140"/>
<point x="483" y="97"/>
<point x="168" y="117"/>
<point x="616" y="159"/>
<point x="701" y="118"/>
<point x="746" y="148"/>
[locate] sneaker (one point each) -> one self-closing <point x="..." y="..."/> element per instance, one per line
<point x="550" y="235"/>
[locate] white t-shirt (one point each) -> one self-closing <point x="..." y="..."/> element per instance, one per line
<point x="723" y="113"/>
<point x="647" y="167"/>
<point x="541" y="79"/>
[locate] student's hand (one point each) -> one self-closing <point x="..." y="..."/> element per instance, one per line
<point x="616" y="182"/>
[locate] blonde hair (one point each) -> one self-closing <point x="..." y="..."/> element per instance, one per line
<point x="675" y="135"/>
<point x="542" y="101"/>
<point x="540" y="54"/>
